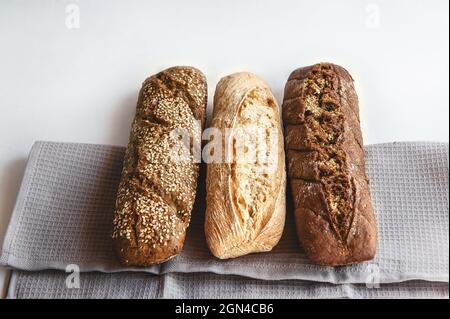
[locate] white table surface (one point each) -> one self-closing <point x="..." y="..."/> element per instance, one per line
<point x="69" y="79"/>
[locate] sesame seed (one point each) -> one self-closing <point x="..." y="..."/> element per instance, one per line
<point x="148" y="161"/>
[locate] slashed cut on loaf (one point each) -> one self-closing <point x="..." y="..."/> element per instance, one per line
<point x="157" y="191"/>
<point x="245" y="200"/>
<point x="333" y="209"/>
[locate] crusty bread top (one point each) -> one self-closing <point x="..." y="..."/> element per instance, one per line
<point x="163" y="92"/>
<point x="245" y="200"/>
<point x="156" y="193"/>
<point x="334" y="214"/>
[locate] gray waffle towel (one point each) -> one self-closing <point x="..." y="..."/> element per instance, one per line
<point x="64" y="209"/>
<point x="52" y="284"/>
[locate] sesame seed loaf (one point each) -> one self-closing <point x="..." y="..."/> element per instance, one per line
<point x="245" y="200"/>
<point x="325" y="158"/>
<point x="157" y="191"/>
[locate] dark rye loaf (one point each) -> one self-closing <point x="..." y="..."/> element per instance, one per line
<point x="325" y="158"/>
<point x="156" y="193"/>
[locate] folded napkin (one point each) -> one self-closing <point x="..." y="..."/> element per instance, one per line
<point x="51" y="284"/>
<point x="63" y="215"/>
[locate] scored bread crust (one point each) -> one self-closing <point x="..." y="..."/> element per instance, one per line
<point x="157" y="192"/>
<point x="236" y="223"/>
<point x="325" y="158"/>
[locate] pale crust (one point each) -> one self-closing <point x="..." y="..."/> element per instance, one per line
<point x="230" y="230"/>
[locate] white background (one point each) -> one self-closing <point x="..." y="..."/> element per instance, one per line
<point x="63" y="83"/>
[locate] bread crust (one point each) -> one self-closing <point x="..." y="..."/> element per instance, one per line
<point x="325" y="157"/>
<point x="156" y="193"/>
<point x="236" y="225"/>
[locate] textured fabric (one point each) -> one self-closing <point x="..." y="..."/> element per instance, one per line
<point x="52" y="284"/>
<point x="63" y="215"/>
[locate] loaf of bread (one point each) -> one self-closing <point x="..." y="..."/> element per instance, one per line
<point x="245" y="192"/>
<point x="157" y="189"/>
<point x="325" y="158"/>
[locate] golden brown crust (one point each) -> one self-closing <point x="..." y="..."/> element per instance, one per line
<point x="245" y="203"/>
<point x="156" y="193"/>
<point x="325" y="156"/>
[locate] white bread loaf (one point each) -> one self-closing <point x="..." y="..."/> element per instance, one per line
<point x="245" y="200"/>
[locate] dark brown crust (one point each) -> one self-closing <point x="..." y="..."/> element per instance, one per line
<point x="156" y="195"/>
<point x="325" y="158"/>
